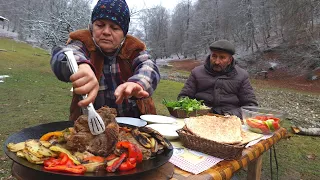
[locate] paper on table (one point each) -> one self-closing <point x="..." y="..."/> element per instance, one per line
<point x="257" y="140"/>
<point x="251" y="143"/>
<point x="191" y="161"/>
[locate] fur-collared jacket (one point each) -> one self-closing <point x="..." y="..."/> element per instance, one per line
<point x="131" y="64"/>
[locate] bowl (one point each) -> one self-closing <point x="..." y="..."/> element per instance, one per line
<point x="262" y="120"/>
<point x="179" y="113"/>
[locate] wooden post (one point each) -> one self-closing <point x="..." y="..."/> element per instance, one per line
<point x="265" y="74"/>
<point x="254" y="169"/>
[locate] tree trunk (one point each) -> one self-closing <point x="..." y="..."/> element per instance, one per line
<point x="188" y="20"/>
<point x="178" y="55"/>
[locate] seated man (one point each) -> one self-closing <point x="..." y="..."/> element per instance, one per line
<point x="220" y="83"/>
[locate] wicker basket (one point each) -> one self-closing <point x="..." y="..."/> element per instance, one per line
<point x="179" y="113"/>
<point x="223" y="151"/>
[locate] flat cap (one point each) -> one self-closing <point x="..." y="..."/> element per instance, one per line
<point x="223" y="45"/>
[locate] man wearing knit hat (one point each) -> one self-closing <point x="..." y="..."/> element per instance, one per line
<point x="220" y="83"/>
<point x="114" y="68"/>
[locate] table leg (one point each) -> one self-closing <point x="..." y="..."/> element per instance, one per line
<point x="254" y="169"/>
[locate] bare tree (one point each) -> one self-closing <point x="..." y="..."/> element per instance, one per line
<point x="47" y="22"/>
<point x="251" y="24"/>
<point x="179" y="27"/>
<point x="156" y="22"/>
<point x="201" y="28"/>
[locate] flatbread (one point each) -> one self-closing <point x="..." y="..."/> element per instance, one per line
<point x="226" y="130"/>
<point x="248" y="136"/>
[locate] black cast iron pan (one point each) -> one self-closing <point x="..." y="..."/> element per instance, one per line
<point x="37" y="131"/>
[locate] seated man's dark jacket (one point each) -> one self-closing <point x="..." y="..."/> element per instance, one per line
<point x="224" y="91"/>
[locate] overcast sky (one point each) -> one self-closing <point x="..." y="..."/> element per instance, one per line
<point x="140" y="4"/>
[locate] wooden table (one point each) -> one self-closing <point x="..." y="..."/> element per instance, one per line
<point x="251" y="158"/>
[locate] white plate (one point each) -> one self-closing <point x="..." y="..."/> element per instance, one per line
<point x="131" y="121"/>
<point x="167" y="130"/>
<point x="150" y="118"/>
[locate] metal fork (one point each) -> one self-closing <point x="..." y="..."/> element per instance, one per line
<point x="95" y="122"/>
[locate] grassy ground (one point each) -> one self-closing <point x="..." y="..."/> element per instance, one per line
<point x="32" y="95"/>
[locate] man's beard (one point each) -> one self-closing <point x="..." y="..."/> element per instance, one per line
<point x="216" y="67"/>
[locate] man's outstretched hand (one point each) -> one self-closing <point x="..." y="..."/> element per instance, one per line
<point x="128" y="90"/>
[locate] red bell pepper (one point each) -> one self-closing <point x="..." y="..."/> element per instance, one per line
<point x="115" y="165"/>
<point x="64" y="158"/>
<point x="111" y="157"/>
<point x="76" y="169"/>
<point x="94" y="159"/>
<point x="133" y="150"/>
<point x="128" y="165"/>
<point x="51" y="162"/>
<point x="63" y="164"/>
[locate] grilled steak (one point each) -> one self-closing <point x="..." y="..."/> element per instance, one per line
<point x="102" y="144"/>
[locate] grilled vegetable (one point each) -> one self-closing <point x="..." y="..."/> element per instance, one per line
<point x="128" y="165"/>
<point x="49" y="135"/>
<point x="156" y="135"/>
<point x="143" y="140"/>
<point x="91" y="159"/>
<point x="46" y="152"/>
<point x="116" y="164"/>
<point x="32" y="158"/>
<point x="93" y="166"/>
<point x="63" y="150"/>
<point x="32" y="150"/>
<point x="20" y="154"/>
<point x="133" y="150"/>
<point x="111" y="157"/>
<point x="154" y="145"/>
<point x="46" y="144"/>
<point x="16" y="147"/>
<point x="109" y="163"/>
<point x="63" y="164"/>
<point x="33" y="147"/>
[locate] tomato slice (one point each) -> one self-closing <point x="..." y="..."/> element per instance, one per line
<point x="262" y="118"/>
<point x="275" y="119"/>
<point x="258" y="126"/>
<point x="276" y="125"/>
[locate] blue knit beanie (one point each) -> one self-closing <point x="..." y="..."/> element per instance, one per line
<point x="114" y="10"/>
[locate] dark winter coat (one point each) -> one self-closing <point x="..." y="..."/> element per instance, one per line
<point x="224" y="91"/>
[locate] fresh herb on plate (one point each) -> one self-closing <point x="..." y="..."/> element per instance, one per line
<point x="186" y="104"/>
